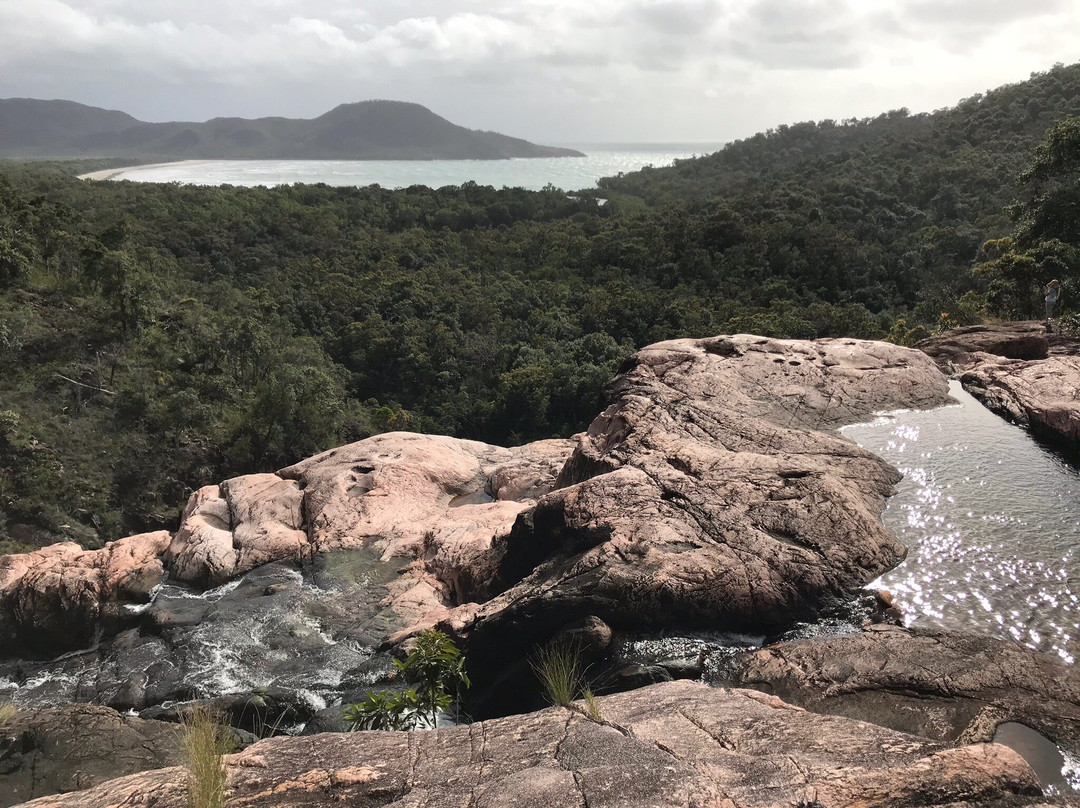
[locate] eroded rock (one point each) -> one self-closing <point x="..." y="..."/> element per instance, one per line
<point x="674" y="744"/>
<point x="1018" y="371"/>
<point x="711" y="492"/>
<point x="78" y="746"/>
<point x="53" y="599"/>
<point x="941" y="685"/>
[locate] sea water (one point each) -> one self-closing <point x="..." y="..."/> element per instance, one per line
<point x="567" y="173"/>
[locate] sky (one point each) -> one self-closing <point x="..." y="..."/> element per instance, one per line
<point x="551" y="71"/>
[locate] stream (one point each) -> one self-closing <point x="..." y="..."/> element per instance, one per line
<point x="991" y="520"/>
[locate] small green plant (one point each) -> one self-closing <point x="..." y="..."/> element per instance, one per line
<point x="436" y="668"/>
<point x="592" y="706"/>
<point x="205" y="741"/>
<point x="7" y="712"/>
<point x="558" y="667"/>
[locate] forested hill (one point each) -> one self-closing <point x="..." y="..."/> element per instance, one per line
<point x="156" y="337"/>
<point x="369" y="130"/>
<point x="977" y="146"/>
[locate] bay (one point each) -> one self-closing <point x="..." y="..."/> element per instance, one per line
<point x="567" y="173"/>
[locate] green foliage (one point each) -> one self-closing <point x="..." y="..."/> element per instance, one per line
<point x="7" y="712"/>
<point x="558" y="667"/>
<point x="154" y="338"/>
<point x="436" y="668"/>
<point x="592" y="705"/>
<point x="205" y="742"/>
<point x="1046" y="240"/>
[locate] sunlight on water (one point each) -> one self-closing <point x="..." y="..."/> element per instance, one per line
<point x="568" y="173"/>
<point x="991" y="520"/>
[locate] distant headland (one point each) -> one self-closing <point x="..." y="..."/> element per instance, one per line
<point x="368" y="130"/>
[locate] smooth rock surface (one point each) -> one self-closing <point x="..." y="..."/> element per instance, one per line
<point x="711" y="492"/>
<point x="53" y="599"/>
<point x="675" y="744"/>
<point x="1020" y="372"/>
<point x="941" y="685"/>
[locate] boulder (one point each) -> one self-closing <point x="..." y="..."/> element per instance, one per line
<point x="713" y="491"/>
<point x="940" y="685"/>
<point x="1042" y="395"/>
<point x="77" y="746"/>
<point x="53" y="599"/>
<point x="1023" y="340"/>
<point x="1018" y="371"/>
<point x="673" y="744"/>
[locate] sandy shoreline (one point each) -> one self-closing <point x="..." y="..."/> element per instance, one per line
<point x="110" y="173"/>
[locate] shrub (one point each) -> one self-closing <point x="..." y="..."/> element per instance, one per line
<point x="437" y="669"/>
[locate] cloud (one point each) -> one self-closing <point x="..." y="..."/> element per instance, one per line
<point x="629" y="69"/>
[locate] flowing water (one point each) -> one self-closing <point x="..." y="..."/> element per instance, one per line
<point x="991" y="519"/>
<point x="568" y="173"/>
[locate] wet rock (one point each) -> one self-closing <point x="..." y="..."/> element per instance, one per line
<point x="53" y="599"/>
<point x="940" y="685"/>
<point x="78" y="746"/>
<point x="711" y="492"/>
<point x="675" y="744"/>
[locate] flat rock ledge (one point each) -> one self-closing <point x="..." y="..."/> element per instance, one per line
<point x="673" y="744"/>
<point x="1020" y="372"/>
<point x="955" y="688"/>
<point x="712" y="490"/>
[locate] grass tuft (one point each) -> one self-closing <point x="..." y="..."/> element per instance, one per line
<point x="558" y="667"/>
<point x="205" y="741"/>
<point x="592" y="706"/>
<point x="7" y="712"/>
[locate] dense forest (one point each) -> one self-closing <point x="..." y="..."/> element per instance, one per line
<point x="154" y="338"/>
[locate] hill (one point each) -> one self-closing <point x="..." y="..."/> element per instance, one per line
<point x="156" y="336"/>
<point x="368" y="130"/>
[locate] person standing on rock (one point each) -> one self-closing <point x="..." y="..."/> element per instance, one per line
<point x="1051" y="292"/>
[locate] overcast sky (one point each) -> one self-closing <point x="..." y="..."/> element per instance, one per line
<point x="555" y="71"/>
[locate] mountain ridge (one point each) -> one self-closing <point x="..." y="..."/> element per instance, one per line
<point x="362" y="130"/>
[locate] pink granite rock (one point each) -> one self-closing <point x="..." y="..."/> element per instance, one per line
<point x="52" y="599"/>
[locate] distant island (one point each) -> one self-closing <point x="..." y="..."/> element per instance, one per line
<point x="368" y="130"/>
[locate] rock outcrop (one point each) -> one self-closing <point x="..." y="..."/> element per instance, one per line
<point x="78" y="746"/>
<point x="712" y="491"/>
<point x="1018" y="371"/>
<point x="674" y="744"/>
<point x="950" y="687"/>
<point x="53" y="599"/>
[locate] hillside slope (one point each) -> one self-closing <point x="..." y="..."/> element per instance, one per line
<point x="368" y="130"/>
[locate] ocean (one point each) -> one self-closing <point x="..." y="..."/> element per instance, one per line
<point x="567" y="173"/>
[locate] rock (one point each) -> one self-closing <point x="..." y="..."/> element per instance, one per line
<point x="53" y="599"/>
<point x="229" y="529"/>
<point x="940" y="685"/>
<point x="1022" y="340"/>
<point x="1018" y="372"/>
<point x="78" y="746"/>
<point x="1040" y="395"/>
<point x="711" y="492"/>
<point x="674" y="744"/>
